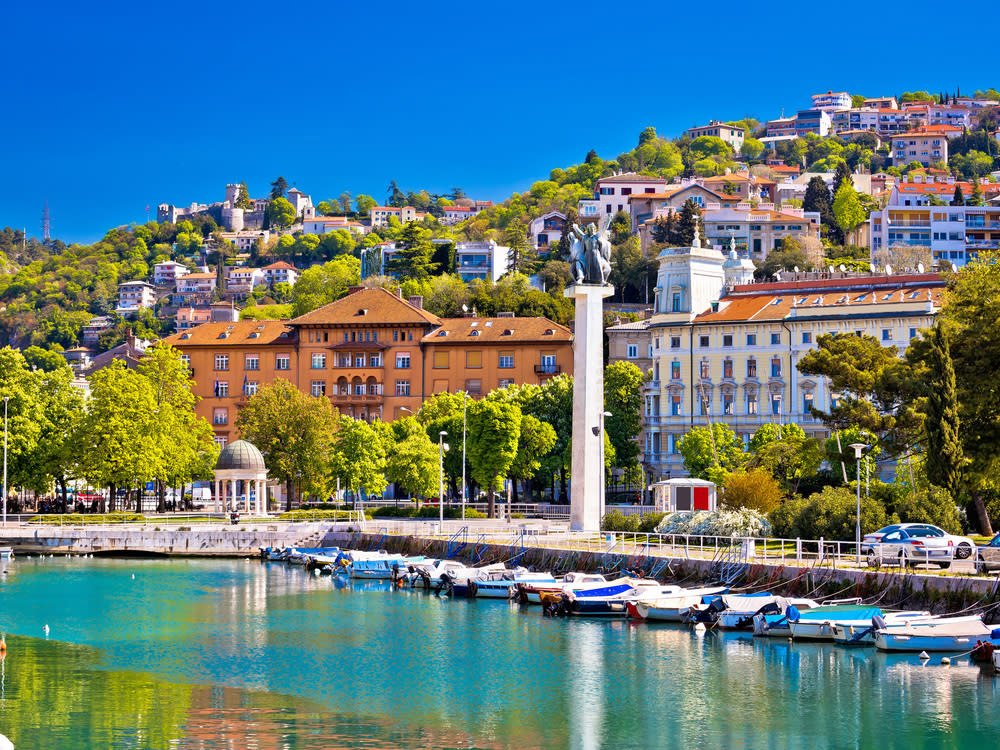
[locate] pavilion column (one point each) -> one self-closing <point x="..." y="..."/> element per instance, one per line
<point x="218" y="493"/>
<point x="261" y="499"/>
<point x="233" y="483"/>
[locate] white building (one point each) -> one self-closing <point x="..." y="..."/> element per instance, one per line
<point x="302" y="204"/>
<point x="168" y="272"/>
<point x="381" y="215"/>
<point x="243" y="241"/>
<point x="321" y="225"/>
<point x="481" y="260"/>
<point x="546" y="230"/>
<point x="731" y="134"/>
<point x="135" y="295"/>
<point x="243" y="280"/>
<point x="831" y="101"/>
<point x="280" y="273"/>
<point x="611" y="194"/>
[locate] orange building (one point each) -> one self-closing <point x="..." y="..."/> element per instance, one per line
<point x="372" y="353"/>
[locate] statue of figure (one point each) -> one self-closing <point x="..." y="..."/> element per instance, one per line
<point x="590" y="255"/>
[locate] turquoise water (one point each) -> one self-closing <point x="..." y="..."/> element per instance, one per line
<point x="238" y="654"/>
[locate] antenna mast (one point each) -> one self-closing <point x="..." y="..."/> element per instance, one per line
<point x="46" y="223"/>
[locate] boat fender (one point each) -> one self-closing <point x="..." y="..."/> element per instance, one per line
<point x="995" y="635"/>
<point x="877" y="622"/>
<point x="473" y="588"/>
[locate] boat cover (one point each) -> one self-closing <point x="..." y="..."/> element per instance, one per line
<point x="837" y="612"/>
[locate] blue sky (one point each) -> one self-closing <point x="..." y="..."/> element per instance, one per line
<point x="114" y="106"/>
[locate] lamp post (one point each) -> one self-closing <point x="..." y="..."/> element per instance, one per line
<point x="604" y="482"/>
<point x="442" y="447"/>
<point x="858" y="450"/>
<point x="464" y="394"/>
<point x="5" y="400"/>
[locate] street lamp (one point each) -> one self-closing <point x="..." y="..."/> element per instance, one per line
<point x="604" y="483"/>
<point x="858" y="450"/>
<point x="464" y="394"/>
<point x="442" y="447"/>
<point x="5" y="400"/>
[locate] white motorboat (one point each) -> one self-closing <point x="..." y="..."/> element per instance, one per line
<point x="738" y="612"/>
<point x="499" y="584"/>
<point x="863" y="634"/>
<point x="432" y="573"/>
<point x="674" y="607"/>
<point x="612" y="597"/>
<point x="531" y="592"/>
<point x="955" y="634"/>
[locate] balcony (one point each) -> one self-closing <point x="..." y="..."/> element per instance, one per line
<point x="354" y="398"/>
<point x="548" y="369"/>
<point x="651" y="385"/>
<point x="910" y="223"/>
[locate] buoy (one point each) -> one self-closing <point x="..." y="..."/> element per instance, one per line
<point x="133" y="576"/>
<point x="45" y="629"/>
<point x="945" y="660"/>
<point x="924" y="655"/>
<point x="3" y="644"/>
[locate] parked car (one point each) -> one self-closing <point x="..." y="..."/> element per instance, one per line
<point x="964" y="546"/>
<point x="912" y="546"/>
<point x="988" y="556"/>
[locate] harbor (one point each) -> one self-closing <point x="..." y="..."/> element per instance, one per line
<point x="208" y="653"/>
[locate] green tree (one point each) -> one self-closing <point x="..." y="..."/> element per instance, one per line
<point x="552" y="403"/>
<point x="623" y="398"/>
<point x="62" y="405"/>
<point x="396" y="196"/>
<point x="365" y="203"/>
<point x="788" y="255"/>
<point x="278" y="188"/>
<point x="711" y="452"/>
<point x="521" y="256"/>
<point x="705" y="146"/>
<point x="321" y="285"/>
<point x="345" y="201"/>
<point x="537" y="438"/>
<point x="294" y="432"/>
<point x="494" y="429"/>
<point x="359" y="457"/>
<point x="847" y="209"/>
<point x="752" y="148"/>
<point x="116" y="438"/>
<point x="958" y="199"/>
<point x="687" y="220"/>
<point x="412" y="459"/>
<point x="412" y="258"/>
<point x="280" y="213"/>
<point x="828" y="514"/>
<point x="37" y="358"/>
<point x="243" y="199"/>
<point x="946" y="461"/>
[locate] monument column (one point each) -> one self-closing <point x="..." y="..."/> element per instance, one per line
<point x="587" y="473"/>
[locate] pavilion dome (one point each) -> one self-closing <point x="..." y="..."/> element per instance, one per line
<point x="241" y="455"/>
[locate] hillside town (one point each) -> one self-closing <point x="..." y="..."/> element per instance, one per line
<point x="736" y="248"/>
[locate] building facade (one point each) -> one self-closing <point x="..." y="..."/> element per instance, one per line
<point x="731" y="134"/>
<point x="134" y="296"/>
<point x="731" y="358"/>
<point x="611" y="194"/>
<point x="371" y="353"/>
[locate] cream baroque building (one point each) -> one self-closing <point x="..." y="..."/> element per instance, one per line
<point x="725" y="349"/>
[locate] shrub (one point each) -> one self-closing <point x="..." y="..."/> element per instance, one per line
<point x="755" y="490"/>
<point x="78" y="519"/>
<point x="618" y="521"/>
<point x="741" y="522"/>
<point x="317" y="515"/>
<point x="933" y="505"/>
<point x="829" y="514"/>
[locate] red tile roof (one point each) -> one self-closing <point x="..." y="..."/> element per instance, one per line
<point x="240" y="333"/>
<point x="498" y="331"/>
<point x="367" y="307"/>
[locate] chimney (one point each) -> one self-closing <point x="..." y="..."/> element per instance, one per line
<point x="130" y="338"/>
<point x="353" y="289"/>
<point x="417" y="300"/>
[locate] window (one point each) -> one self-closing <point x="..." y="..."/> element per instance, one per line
<point x="440" y="360"/>
<point x="221" y="361"/>
<point x="751" y="403"/>
<point x="675" y="342"/>
<point x="751" y="368"/>
<point x="807" y="337"/>
<point x="775" y="338"/>
<point x="187" y="360"/>
<point x="650" y="355"/>
<point x="675" y="370"/>
<point x="395" y="335"/>
<point x="807" y="402"/>
<point x="703" y="342"/>
<point x="359" y="360"/>
<point x="705" y="370"/>
<point x="727" y="403"/>
<point x="548" y="363"/>
<point x="775" y="403"/>
<point x="403" y="361"/>
<point x="359" y="389"/>
<point x="281" y="362"/>
<point x="252" y="362"/>
<point x="675" y="406"/>
<point x="705" y="402"/>
<point x="751" y="339"/>
<point x="776" y="367"/>
<point x="317" y="388"/>
<point x="319" y="362"/>
<point x="220" y="440"/>
<point x="250" y="389"/>
<point x="675" y="443"/>
<point x="727" y="369"/>
<point x="913" y="333"/>
<point x="887" y="334"/>
<point x="474" y="386"/>
<point x="402" y="387"/>
<point x="374" y="360"/>
<point x="506" y="361"/>
<point x="727" y="339"/>
<point x="474" y="359"/>
<point x="675" y="304"/>
<point x="222" y="388"/>
<point x="504" y="382"/>
<point x="220" y="416"/>
<point x="633" y="351"/>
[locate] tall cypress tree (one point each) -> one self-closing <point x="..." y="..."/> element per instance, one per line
<point x="945" y="457"/>
<point x="959" y="198"/>
<point x="690" y="217"/>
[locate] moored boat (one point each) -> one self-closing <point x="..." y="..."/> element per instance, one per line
<point x="946" y="634"/>
<point x="499" y="584"/>
<point x="672" y="608"/>
<point x="532" y="592"/>
<point x="864" y="634"/>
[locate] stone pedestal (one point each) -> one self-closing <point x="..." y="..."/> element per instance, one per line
<point x="587" y="471"/>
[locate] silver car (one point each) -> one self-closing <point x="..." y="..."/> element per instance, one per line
<point x="912" y="546"/>
<point x="988" y="556"/>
